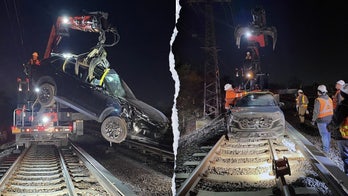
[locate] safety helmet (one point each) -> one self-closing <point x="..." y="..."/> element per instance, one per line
<point x="340" y="82"/>
<point x="227" y="87"/>
<point x="322" y="89"/>
<point x="344" y="91"/>
<point x="300" y="91"/>
<point x="248" y="53"/>
<point x="35" y="54"/>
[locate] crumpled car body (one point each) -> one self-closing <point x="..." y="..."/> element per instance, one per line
<point x="256" y="114"/>
<point x="105" y="98"/>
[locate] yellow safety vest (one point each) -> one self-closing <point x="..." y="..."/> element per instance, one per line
<point x="344" y="128"/>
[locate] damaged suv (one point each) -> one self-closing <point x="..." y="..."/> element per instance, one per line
<point x="257" y="114"/>
<point x="100" y="94"/>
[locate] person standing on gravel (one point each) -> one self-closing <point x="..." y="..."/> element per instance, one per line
<point x="337" y="98"/>
<point x="301" y="105"/>
<point x="322" y="115"/>
<point x="339" y="126"/>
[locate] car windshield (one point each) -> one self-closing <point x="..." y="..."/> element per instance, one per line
<point x="258" y="100"/>
<point x="115" y="86"/>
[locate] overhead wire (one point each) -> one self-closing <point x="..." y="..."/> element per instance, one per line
<point x="20" y="29"/>
<point x="9" y="19"/>
<point x="13" y="28"/>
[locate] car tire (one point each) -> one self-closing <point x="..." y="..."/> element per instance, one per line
<point x="114" y="129"/>
<point x="46" y="95"/>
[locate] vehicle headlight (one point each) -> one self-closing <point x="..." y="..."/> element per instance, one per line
<point x="45" y="119"/>
<point x="37" y="89"/>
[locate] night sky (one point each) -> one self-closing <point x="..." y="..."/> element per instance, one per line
<point x="311" y="45"/>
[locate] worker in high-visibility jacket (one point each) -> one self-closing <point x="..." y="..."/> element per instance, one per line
<point x="337" y="98"/>
<point x="301" y="105"/>
<point x="338" y="126"/>
<point x="322" y="115"/>
<point x="34" y="61"/>
<point x="231" y="96"/>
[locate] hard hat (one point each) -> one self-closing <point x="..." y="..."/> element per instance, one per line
<point x="35" y="54"/>
<point x="340" y="82"/>
<point x="227" y="86"/>
<point x="322" y="89"/>
<point x="248" y="52"/>
<point x="344" y="91"/>
<point x="300" y="91"/>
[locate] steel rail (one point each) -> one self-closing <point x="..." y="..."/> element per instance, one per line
<point x="113" y="185"/>
<point x="11" y="170"/>
<point x="195" y="175"/>
<point x="167" y="155"/>
<point x="67" y="178"/>
<point x="335" y="178"/>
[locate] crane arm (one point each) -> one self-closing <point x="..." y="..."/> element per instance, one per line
<point x="95" y="22"/>
<point x="257" y="31"/>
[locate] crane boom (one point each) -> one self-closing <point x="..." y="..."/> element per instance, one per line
<point x="95" y="22"/>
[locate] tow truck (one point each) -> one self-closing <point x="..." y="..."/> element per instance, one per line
<point x="34" y="122"/>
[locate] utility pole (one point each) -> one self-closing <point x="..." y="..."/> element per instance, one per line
<point x="212" y="93"/>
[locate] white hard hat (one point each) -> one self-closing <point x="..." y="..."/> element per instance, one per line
<point x="300" y="91"/>
<point x="341" y="82"/>
<point x="227" y="86"/>
<point x="344" y="91"/>
<point x="322" y="88"/>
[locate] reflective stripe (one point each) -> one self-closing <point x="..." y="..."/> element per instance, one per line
<point x="344" y="128"/>
<point x="303" y="101"/>
<point x="230" y="94"/>
<point x="326" y="107"/>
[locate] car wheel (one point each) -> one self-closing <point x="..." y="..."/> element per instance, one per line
<point x="114" y="129"/>
<point x="46" y="95"/>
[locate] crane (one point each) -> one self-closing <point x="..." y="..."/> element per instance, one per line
<point x="95" y="22"/>
<point x="256" y="34"/>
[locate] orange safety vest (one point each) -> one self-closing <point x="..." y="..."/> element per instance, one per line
<point x="326" y="107"/>
<point x="335" y="99"/>
<point x="231" y="94"/>
<point x="344" y="128"/>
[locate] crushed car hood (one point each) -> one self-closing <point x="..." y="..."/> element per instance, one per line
<point x="248" y="110"/>
<point x="148" y="110"/>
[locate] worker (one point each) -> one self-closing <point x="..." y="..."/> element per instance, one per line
<point x="322" y="115"/>
<point x="336" y="98"/>
<point x="248" y="56"/>
<point x="231" y="95"/>
<point x="34" y="59"/>
<point x="301" y="105"/>
<point x="338" y="126"/>
<point x="248" y="61"/>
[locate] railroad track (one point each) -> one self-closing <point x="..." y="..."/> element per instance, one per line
<point x="49" y="170"/>
<point x="258" y="166"/>
<point x="164" y="154"/>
